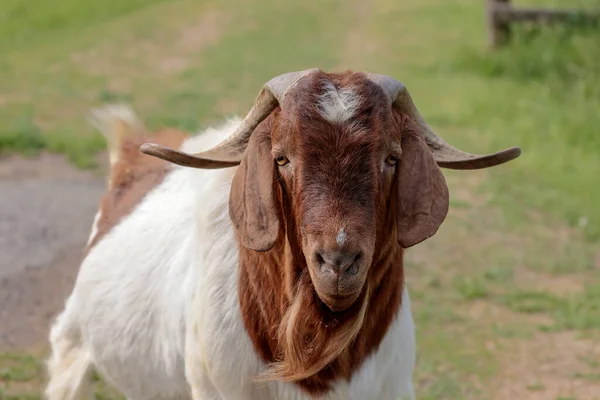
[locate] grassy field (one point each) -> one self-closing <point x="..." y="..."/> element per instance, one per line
<point x="507" y="295"/>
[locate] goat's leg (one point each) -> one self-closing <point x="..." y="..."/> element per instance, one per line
<point x="69" y="366"/>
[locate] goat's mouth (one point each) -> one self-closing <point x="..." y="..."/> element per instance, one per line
<point x="338" y="294"/>
<point x="338" y="303"/>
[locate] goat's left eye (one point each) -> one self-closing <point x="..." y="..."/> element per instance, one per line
<point x="281" y="160"/>
<point x="391" y="160"/>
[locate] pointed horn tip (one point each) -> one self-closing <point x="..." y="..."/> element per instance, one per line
<point x="158" y="151"/>
<point x="516" y="152"/>
<point x="509" y="154"/>
<point x="482" y="162"/>
<point x="151" y="149"/>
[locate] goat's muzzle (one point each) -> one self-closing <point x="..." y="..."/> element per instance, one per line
<point x="338" y="275"/>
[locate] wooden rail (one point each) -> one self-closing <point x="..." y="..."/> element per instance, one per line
<point x="500" y="15"/>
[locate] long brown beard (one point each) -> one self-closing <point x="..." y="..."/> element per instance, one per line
<point x="306" y="344"/>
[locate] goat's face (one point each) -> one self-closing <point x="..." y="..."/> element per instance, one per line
<point x="323" y="168"/>
<point x="342" y="166"/>
<point x="336" y="146"/>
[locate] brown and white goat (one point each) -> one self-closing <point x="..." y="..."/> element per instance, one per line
<point x="280" y="278"/>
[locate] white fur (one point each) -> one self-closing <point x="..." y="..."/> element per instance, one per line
<point x="341" y="237"/>
<point x="155" y="307"/>
<point x="338" y="105"/>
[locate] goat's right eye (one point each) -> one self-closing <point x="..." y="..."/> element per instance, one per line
<point x="281" y="160"/>
<point x="391" y="160"/>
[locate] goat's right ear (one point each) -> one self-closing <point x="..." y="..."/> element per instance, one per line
<point x="422" y="193"/>
<point x="252" y="204"/>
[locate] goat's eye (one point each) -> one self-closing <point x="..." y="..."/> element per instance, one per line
<point x="281" y="160"/>
<point x="391" y="160"/>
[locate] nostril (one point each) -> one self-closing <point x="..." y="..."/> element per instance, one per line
<point x="334" y="262"/>
<point x="324" y="266"/>
<point x="320" y="259"/>
<point x="353" y="270"/>
<point x="352" y="267"/>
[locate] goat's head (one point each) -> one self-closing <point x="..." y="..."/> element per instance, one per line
<point x="342" y="163"/>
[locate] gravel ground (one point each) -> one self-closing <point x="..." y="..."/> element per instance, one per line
<point x="46" y="211"/>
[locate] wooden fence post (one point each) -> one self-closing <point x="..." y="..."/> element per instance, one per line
<point x="498" y="29"/>
<point x="500" y="15"/>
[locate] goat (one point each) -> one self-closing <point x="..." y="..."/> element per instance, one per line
<point x="272" y="268"/>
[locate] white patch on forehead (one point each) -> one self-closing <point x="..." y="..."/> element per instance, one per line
<point x="341" y="237"/>
<point x="338" y="105"/>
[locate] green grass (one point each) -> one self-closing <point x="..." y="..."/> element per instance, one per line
<point x="19" y="368"/>
<point x="26" y="138"/>
<point x="470" y="288"/>
<point x="595" y="377"/>
<point x="24" y="25"/>
<point x="575" y="312"/>
<point x="543" y="70"/>
<point x="493" y="275"/>
<point x="20" y="375"/>
<point x="531" y="302"/>
<point x="581" y="312"/>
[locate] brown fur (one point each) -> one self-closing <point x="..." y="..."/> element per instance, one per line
<point x="132" y="177"/>
<point x="336" y="176"/>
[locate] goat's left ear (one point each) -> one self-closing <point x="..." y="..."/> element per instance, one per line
<point x="252" y="205"/>
<point x="423" y="198"/>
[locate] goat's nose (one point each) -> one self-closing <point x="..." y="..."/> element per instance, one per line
<point x="337" y="262"/>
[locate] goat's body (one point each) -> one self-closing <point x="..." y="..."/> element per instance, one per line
<point x="155" y="307"/>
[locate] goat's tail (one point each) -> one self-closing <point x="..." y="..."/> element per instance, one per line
<point x="70" y="365"/>
<point x="116" y="122"/>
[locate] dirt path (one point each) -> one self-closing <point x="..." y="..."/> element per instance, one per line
<point x="46" y="210"/>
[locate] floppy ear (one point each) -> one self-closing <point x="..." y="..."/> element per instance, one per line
<point x="422" y="193"/>
<point x="252" y="205"/>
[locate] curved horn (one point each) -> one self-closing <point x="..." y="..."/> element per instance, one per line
<point x="229" y="152"/>
<point x="445" y="155"/>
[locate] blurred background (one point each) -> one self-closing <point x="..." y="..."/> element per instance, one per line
<point x="506" y="297"/>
